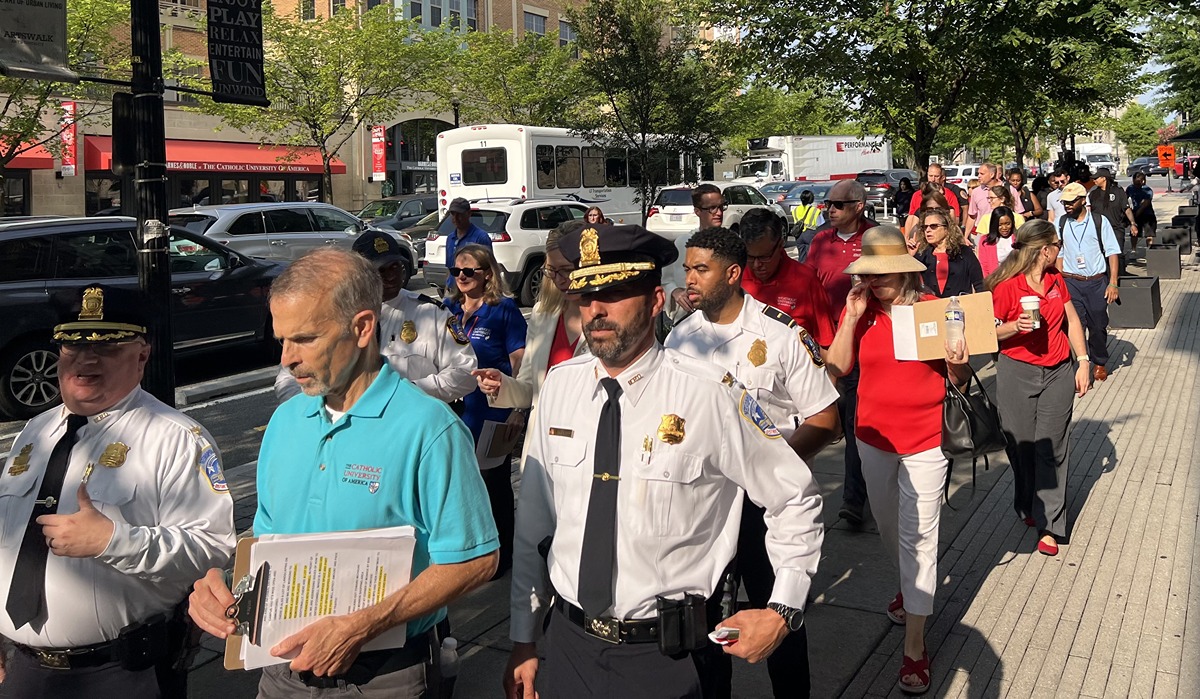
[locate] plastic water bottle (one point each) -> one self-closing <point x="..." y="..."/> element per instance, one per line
<point x="449" y="663"/>
<point x="956" y="323"/>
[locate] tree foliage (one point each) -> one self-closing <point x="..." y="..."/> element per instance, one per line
<point x="654" y="94"/>
<point x="497" y="79"/>
<point x="1138" y="129"/>
<point x="327" y="77"/>
<point x="30" y="109"/>
<point x="1175" y="38"/>
<point x="763" y="110"/>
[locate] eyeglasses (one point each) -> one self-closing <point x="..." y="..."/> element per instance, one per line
<point x="934" y="226"/>
<point x="710" y="209"/>
<point x="993" y="196"/>
<point x="553" y="272"/>
<point x="751" y="259"/>
<point x="467" y="272"/>
<point x="839" y="204"/>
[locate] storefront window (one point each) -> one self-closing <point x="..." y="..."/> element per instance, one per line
<point x="236" y="192"/>
<point x="102" y="194"/>
<point x="186" y="191"/>
<point x="14" y="193"/>
<point x="306" y="189"/>
<point x="273" y="190"/>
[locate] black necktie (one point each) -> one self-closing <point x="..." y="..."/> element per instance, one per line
<point x="27" y="592"/>
<point x="598" y="562"/>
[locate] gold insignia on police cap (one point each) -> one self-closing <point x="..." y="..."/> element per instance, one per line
<point x="114" y="455"/>
<point x="20" y="462"/>
<point x="408" y="331"/>
<point x="589" y="248"/>
<point x="758" y="353"/>
<point x="670" y="429"/>
<point x="92" y="307"/>
<point x="381" y="245"/>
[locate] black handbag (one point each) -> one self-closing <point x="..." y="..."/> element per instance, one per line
<point x="970" y="425"/>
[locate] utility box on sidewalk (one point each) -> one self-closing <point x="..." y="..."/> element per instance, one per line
<point x="1140" y="303"/>
<point x="1176" y="236"/>
<point x="1162" y="261"/>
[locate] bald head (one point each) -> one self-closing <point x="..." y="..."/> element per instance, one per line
<point x="848" y="190"/>
<point x="846" y="202"/>
<point x="347" y="281"/>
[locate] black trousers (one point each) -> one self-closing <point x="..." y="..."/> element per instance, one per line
<point x="499" y="487"/>
<point x="26" y="679"/>
<point x="579" y="666"/>
<point x="854" y="488"/>
<point x="1088" y="299"/>
<point x="788" y="665"/>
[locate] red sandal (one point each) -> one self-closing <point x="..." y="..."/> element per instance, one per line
<point x="920" y="668"/>
<point x="897" y="605"/>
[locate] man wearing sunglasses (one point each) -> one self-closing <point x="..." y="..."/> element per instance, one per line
<point x="832" y="250"/>
<point x="708" y="202"/>
<point x="465" y="233"/>
<point x="114" y="503"/>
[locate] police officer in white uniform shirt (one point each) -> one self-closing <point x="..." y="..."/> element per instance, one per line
<point x="110" y="506"/>
<point x="780" y="364"/>
<point x="421" y="340"/>
<point x="631" y="501"/>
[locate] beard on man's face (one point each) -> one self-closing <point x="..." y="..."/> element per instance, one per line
<point x="624" y="338"/>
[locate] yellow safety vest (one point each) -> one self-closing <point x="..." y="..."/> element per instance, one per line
<point x="805" y="216"/>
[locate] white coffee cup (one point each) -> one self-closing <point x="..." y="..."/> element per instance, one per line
<point x="1033" y="306"/>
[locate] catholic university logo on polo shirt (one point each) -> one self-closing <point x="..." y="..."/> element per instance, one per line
<point x="361" y="474"/>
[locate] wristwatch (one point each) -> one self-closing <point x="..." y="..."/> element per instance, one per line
<point x="793" y="618"/>
<point x="1084" y="358"/>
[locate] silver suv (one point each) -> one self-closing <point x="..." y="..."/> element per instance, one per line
<point x="280" y="230"/>
<point x="518" y="229"/>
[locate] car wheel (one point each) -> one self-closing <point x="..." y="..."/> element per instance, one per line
<point x="531" y="284"/>
<point x="29" y="382"/>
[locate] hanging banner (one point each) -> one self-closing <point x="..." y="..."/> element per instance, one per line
<point x="33" y="40"/>
<point x="378" y="153"/>
<point x="67" y="136"/>
<point x="235" y="52"/>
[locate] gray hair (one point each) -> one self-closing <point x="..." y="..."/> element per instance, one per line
<point x="348" y="280"/>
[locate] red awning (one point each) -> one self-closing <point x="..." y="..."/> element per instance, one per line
<point x="218" y="156"/>
<point x="36" y="158"/>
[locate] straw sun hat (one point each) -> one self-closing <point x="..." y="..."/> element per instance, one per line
<point x="884" y="252"/>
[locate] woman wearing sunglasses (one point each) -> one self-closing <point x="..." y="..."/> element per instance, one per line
<point x="496" y="330"/>
<point x="951" y="268"/>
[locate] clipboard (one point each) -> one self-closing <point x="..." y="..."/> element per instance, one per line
<point x="249" y="603"/>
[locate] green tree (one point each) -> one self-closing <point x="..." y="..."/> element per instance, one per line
<point x="907" y="65"/>
<point x="327" y="77"/>
<point x="1175" y="38"/>
<point x="497" y="79"/>
<point x="1138" y="129"/>
<point x="655" y="93"/>
<point x="30" y="109"/>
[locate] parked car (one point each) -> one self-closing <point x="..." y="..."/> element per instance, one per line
<point x="280" y="230"/>
<point x="219" y="296"/>
<point x="518" y="229"/>
<point x="777" y="191"/>
<point x="960" y="175"/>
<point x="1149" y="165"/>
<point x="419" y="232"/>
<point x="673" y="215"/>
<point x="820" y="192"/>
<point x="882" y="184"/>
<point x="397" y="213"/>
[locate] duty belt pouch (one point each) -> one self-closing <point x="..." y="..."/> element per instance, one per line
<point x="670" y="626"/>
<point x="142" y="645"/>
<point x="695" y="622"/>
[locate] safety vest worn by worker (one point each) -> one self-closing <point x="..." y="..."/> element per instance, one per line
<point x="806" y="216"/>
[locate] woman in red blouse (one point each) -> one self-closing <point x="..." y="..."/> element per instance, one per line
<point x="1034" y="376"/>
<point x="899" y="431"/>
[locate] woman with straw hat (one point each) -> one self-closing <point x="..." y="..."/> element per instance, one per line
<point x="899" y="430"/>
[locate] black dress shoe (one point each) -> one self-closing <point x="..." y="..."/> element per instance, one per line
<point x="852" y="513"/>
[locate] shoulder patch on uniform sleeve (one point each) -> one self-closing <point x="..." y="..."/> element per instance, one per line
<point x="210" y="467"/>
<point x="781" y="316"/>
<point x="753" y="412"/>
<point x="422" y="298"/>
<point x="456" y="331"/>
<point x="814" y="350"/>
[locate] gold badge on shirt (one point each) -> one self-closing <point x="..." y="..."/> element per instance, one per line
<point x="758" y="353"/>
<point x="20" y="462"/>
<point x="114" y="455"/>
<point x="670" y="429"/>
<point x="408" y="332"/>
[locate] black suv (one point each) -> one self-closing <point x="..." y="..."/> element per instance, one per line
<point x="882" y="184"/>
<point x="219" y="296"/>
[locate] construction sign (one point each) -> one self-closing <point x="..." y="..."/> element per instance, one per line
<point x="1166" y="157"/>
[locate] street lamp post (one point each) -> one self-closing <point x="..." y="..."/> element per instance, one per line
<point x="456" y="103"/>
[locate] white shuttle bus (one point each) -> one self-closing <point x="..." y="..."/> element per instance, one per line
<point x="509" y="161"/>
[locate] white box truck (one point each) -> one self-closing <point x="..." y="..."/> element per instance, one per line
<point x="1097" y="155"/>
<point x="780" y="158"/>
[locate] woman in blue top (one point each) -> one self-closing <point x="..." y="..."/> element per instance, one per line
<point x="496" y="329"/>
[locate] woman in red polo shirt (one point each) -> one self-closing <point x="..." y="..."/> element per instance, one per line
<point x="1035" y="378"/>
<point x="899" y="431"/>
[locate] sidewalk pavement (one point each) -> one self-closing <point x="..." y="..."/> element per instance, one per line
<point x="1111" y="615"/>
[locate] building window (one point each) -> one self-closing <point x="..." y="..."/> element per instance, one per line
<point x="472" y="13"/>
<point x="336" y="6"/>
<point x="535" y="24"/>
<point x="308" y="9"/>
<point x="14" y="193"/>
<point x="566" y="33"/>
<point x="435" y="16"/>
<point x="372" y="4"/>
<point x="415" y="11"/>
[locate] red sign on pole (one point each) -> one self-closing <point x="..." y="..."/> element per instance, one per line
<point x="378" y="153"/>
<point x="67" y="136"/>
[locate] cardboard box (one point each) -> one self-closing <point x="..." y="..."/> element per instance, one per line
<point x="919" y="330"/>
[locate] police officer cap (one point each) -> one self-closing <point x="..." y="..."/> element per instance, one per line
<point x="100" y="313"/>
<point x="606" y="255"/>
<point x="377" y="247"/>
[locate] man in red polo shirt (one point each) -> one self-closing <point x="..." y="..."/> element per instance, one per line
<point x="954" y="196"/>
<point x="775" y="279"/>
<point x="831" y="251"/>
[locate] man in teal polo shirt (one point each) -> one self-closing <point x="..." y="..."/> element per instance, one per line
<point x="362" y="448"/>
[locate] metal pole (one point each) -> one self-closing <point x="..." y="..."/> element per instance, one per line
<point x="150" y="185"/>
<point x="455" y="103"/>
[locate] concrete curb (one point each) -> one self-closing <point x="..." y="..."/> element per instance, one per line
<point x="206" y="390"/>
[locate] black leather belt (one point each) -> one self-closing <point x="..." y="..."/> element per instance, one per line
<point x="607" y="628"/>
<point x="367" y="666"/>
<point x="70" y="658"/>
<point x="1081" y="278"/>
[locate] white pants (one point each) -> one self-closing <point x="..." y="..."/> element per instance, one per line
<point x="905" y="492"/>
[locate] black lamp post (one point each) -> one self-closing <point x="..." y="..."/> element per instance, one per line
<point x="456" y="103"/>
